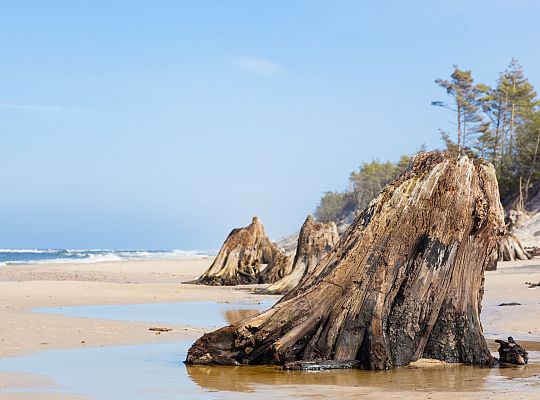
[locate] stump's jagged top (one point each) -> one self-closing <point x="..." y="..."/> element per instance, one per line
<point x="316" y="239"/>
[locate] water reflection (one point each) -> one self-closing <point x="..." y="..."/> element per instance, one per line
<point x="201" y="314"/>
<point x="236" y="315"/>
<point x="144" y="372"/>
<point x="440" y="377"/>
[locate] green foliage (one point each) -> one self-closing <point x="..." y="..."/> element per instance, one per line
<point x="499" y="124"/>
<point x="365" y="185"/>
<point x="466" y="106"/>
<point x="372" y="177"/>
<point x="334" y="206"/>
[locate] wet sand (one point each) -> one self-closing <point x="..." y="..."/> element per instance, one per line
<point x="23" y="288"/>
<point x="22" y="331"/>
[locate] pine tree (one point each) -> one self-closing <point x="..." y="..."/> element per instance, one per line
<point x="466" y="95"/>
<point x="517" y="134"/>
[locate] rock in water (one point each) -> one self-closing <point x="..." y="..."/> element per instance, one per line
<point x="512" y="353"/>
<point x="405" y="281"/>
<point x="316" y="239"/>
<point x="246" y="252"/>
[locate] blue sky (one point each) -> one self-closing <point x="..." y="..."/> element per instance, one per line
<point x="164" y="124"/>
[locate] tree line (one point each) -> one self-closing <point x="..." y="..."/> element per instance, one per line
<point x="500" y="123"/>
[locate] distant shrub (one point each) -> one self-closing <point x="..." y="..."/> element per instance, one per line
<point x="365" y="184"/>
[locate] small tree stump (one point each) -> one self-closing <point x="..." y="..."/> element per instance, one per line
<point x="509" y="248"/>
<point x="281" y="266"/>
<point x="316" y="239"/>
<point x="404" y="282"/>
<point x="512" y="353"/>
<point x="244" y="255"/>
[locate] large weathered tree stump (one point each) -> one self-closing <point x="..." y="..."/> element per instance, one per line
<point x="316" y="239"/>
<point x="244" y="255"/>
<point x="405" y="281"/>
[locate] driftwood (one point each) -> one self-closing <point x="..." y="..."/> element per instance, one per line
<point x="316" y="239"/>
<point x="244" y="255"/>
<point x="512" y="353"/>
<point x="159" y="329"/>
<point x="320" y="365"/>
<point x="533" y="251"/>
<point x="405" y="281"/>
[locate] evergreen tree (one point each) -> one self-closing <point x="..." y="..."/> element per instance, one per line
<point x="466" y="96"/>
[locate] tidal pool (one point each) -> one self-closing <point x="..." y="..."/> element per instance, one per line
<point x="157" y="371"/>
<point x="203" y="313"/>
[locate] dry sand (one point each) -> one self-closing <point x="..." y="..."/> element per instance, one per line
<point x="157" y="281"/>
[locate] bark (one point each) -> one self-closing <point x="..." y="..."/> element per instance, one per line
<point x="280" y="267"/>
<point x="316" y="239"/>
<point x="405" y="281"/>
<point x="244" y="255"/>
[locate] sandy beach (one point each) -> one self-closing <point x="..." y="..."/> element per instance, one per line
<point x="25" y="287"/>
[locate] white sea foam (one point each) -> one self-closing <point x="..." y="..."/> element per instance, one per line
<point x="33" y="251"/>
<point x="48" y="256"/>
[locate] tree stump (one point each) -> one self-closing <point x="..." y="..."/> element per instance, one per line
<point x="404" y="282"/>
<point x="277" y="270"/>
<point x="509" y="248"/>
<point x="245" y="253"/>
<point x="316" y="239"/>
<point x="512" y="353"/>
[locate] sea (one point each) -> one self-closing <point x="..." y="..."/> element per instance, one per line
<point x="38" y="256"/>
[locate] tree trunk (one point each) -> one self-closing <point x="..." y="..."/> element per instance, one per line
<point x="510" y="249"/>
<point x="244" y="255"/>
<point x="316" y="239"/>
<point x="405" y="281"/>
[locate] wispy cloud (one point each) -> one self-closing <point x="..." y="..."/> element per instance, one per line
<point x="256" y="65"/>
<point x="34" y="107"/>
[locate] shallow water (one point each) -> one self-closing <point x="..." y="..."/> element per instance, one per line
<point x="202" y="314"/>
<point x="156" y="371"/>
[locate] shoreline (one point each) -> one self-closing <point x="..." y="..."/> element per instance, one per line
<point x="26" y="287"/>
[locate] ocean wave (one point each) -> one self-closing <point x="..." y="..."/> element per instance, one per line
<point x="37" y="256"/>
<point x="30" y="251"/>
